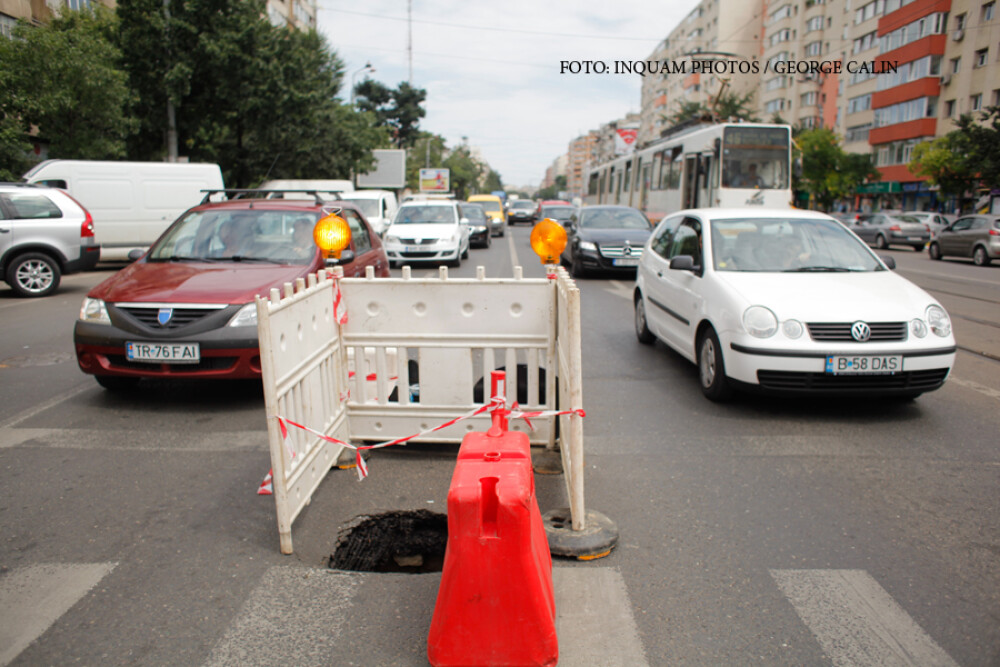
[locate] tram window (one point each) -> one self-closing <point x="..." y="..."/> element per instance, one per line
<point x="657" y="171"/>
<point x="628" y="175"/>
<point x="592" y="185"/>
<point x="611" y="181"/>
<point x="677" y="169"/>
<point x="665" y="171"/>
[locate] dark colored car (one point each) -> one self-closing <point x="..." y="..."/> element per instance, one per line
<point x="479" y="224"/>
<point x="186" y="308"/>
<point x="883" y="230"/>
<point x="521" y="210"/>
<point x="607" y="238"/>
<point x="975" y="236"/>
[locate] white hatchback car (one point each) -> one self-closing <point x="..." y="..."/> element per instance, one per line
<point x="787" y="302"/>
<point x="427" y="231"/>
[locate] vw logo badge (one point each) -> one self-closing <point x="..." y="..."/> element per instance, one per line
<point x="861" y="332"/>
<point x="164" y="315"/>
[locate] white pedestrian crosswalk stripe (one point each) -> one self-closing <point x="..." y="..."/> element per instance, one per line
<point x="856" y="621"/>
<point x="33" y="597"/>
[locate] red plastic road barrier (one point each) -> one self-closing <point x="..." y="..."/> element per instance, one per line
<point x="496" y="604"/>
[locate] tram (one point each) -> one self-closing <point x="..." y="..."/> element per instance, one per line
<point x="719" y="165"/>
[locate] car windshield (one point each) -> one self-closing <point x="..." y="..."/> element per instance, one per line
<point x="369" y="207"/>
<point x="526" y="205"/>
<point x="558" y="212"/>
<point x="788" y="244"/>
<point x="611" y="218"/>
<point x="474" y="213"/>
<point x="424" y="215"/>
<point x="490" y="205"/>
<point x="228" y="235"/>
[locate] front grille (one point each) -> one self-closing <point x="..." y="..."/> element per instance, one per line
<point x="419" y="255"/>
<point x="840" y="332"/>
<point x="206" y="364"/>
<point x="909" y="380"/>
<point x="181" y="317"/>
<point x="418" y="241"/>
<point x="617" y="251"/>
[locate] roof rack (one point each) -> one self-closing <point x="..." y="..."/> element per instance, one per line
<point x="259" y="193"/>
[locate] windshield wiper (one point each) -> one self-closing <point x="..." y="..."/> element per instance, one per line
<point x="245" y="258"/>
<point x="184" y="258"/>
<point x="819" y="269"/>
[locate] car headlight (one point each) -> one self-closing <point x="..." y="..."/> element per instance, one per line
<point x="918" y="328"/>
<point x="760" y="322"/>
<point x="587" y="245"/>
<point x="245" y="317"/>
<point x="392" y="239"/>
<point x="938" y="321"/>
<point x="792" y="328"/>
<point x="94" y="310"/>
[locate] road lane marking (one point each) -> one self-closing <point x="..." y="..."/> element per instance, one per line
<point x="135" y="439"/>
<point x="42" y="407"/>
<point x="295" y="616"/>
<point x="947" y="278"/>
<point x="305" y="616"/>
<point x="594" y="621"/>
<point x="33" y="597"/>
<point x="856" y="621"/>
<point x="975" y="386"/>
<point x="509" y="234"/>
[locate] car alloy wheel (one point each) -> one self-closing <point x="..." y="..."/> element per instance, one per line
<point x="33" y="274"/>
<point x="711" y="368"/>
<point x="934" y="251"/>
<point x="880" y="242"/>
<point x="980" y="257"/>
<point x="642" y="331"/>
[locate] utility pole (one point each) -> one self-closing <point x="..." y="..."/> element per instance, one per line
<point x="171" y="112"/>
<point x="409" y="36"/>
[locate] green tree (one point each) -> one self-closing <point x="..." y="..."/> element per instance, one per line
<point x="465" y="172"/>
<point x="428" y="151"/>
<point x="399" y="110"/>
<point x="945" y="163"/>
<point x="687" y="111"/>
<point x="552" y="191"/>
<point x="828" y="172"/>
<point x="64" y="79"/>
<point x="492" y="182"/>
<point x="258" y="99"/>
<point x="727" y="104"/>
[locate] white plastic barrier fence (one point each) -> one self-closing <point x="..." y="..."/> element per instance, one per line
<point x="423" y="350"/>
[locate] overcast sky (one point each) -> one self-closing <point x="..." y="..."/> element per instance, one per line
<point x="491" y="71"/>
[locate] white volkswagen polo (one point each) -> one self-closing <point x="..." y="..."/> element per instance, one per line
<point x="787" y="302"/>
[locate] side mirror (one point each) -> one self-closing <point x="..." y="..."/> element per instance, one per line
<point x="889" y="262"/>
<point x="135" y="254"/>
<point x="682" y="263"/>
<point x="346" y="257"/>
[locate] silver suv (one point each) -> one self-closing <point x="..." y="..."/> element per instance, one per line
<point x="44" y="233"/>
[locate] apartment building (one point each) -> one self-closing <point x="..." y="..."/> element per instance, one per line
<point x="581" y="154"/>
<point x="300" y="14"/>
<point x="39" y="11"/>
<point x="727" y="26"/>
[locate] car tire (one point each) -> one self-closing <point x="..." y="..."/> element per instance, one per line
<point x="576" y="267"/>
<point x="33" y="274"/>
<point x="934" y="250"/>
<point x="880" y="242"/>
<point x="116" y="383"/>
<point x="642" y="331"/>
<point x="712" y="369"/>
<point x="980" y="257"/>
<point x="919" y="248"/>
<point x="465" y="254"/>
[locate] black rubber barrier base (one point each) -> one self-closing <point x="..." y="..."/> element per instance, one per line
<point x="595" y="541"/>
<point x="547" y="462"/>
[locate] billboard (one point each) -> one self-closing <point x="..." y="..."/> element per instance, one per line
<point x="625" y="140"/>
<point x="389" y="170"/>
<point x="435" y="180"/>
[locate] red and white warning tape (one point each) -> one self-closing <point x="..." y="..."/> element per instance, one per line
<point x="497" y="403"/>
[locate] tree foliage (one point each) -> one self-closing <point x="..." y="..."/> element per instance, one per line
<point x="828" y="172"/>
<point x="552" y="191"/>
<point x="64" y="80"/>
<point x="397" y="109"/>
<point x="960" y="160"/>
<point x="258" y="99"/>
<point x="726" y="105"/>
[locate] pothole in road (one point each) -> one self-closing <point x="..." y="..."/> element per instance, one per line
<point x="412" y="542"/>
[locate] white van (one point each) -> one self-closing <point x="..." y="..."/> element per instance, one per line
<point x="378" y="206"/>
<point x="132" y="202"/>
<point x="308" y="184"/>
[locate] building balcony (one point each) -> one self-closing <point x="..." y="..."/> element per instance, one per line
<point x="910" y="13"/>
<point x="926" y="87"/>
<point x="911" y="129"/>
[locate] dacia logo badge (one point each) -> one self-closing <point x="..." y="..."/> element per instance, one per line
<point x="164" y="315"/>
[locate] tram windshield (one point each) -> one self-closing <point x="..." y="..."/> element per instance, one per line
<point x="755" y="158"/>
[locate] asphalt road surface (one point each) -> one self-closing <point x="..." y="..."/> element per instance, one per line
<point x="763" y="531"/>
